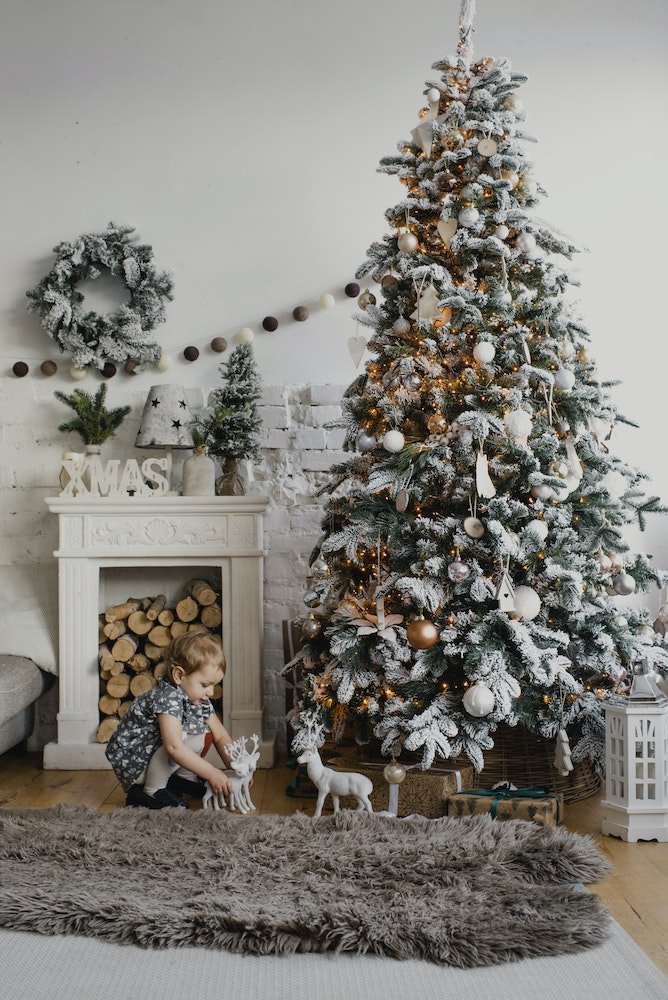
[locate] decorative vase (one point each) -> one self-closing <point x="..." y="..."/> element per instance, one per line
<point x="92" y="455"/>
<point x="230" y="483"/>
<point x="199" y="475"/>
<point x="74" y="456"/>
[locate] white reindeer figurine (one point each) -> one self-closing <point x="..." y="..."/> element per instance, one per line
<point x="243" y="765"/>
<point x="335" y="783"/>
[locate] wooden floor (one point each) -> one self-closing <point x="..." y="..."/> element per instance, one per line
<point x="636" y="893"/>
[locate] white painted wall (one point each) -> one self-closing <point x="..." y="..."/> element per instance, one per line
<point x="242" y="141"/>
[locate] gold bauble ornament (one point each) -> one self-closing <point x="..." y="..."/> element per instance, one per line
<point x="437" y="424"/>
<point x="584" y="356"/>
<point x="394" y="773"/>
<point x="422" y="634"/>
<point x="311" y="628"/>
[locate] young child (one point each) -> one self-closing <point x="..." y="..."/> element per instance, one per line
<point x="165" y="729"/>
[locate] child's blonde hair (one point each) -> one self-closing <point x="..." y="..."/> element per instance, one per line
<point x="193" y="651"/>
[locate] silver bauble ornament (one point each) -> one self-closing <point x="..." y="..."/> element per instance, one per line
<point x="319" y="568"/>
<point x="366" y="299"/>
<point x="365" y="442"/>
<point x="401" y="326"/>
<point x="407" y="242"/>
<point x="478" y="700"/>
<point x="474" y="527"/>
<point x="459" y="571"/>
<point x="311" y="628"/>
<point x="510" y="175"/>
<point x="624" y="584"/>
<point x="311" y="599"/>
<point x="393" y="441"/>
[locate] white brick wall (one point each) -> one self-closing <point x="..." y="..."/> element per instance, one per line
<point x="298" y="450"/>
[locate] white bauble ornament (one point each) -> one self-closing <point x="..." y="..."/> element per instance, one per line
<point x="559" y="493"/>
<point x="527" y="603"/>
<point x="164" y="363"/>
<point x="474" y="527"/>
<point x="446" y="229"/>
<point x="564" y="379"/>
<point x="566" y="350"/>
<point x="327" y="301"/>
<point x="513" y="103"/>
<point x="468" y="216"/>
<point x="541" y="492"/>
<point x="502" y="232"/>
<point x="244" y="336"/>
<point x="604" y="562"/>
<point x="505" y="299"/>
<point x="518" y="423"/>
<point x="365" y="442"/>
<point x="467" y="193"/>
<point x="614" y="483"/>
<point x="621" y="621"/>
<point x="478" y="700"/>
<point x="393" y="441"/>
<point x="646" y="634"/>
<point x="484" y="352"/>
<point x="526" y="242"/>
<point x="539" y="528"/>
<point x="78" y="373"/>
<point x="401" y="326"/>
<point x="513" y="178"/>
<point x="617" y="561"/>
<point x="433" y="95"/>
<point x="407" y="242"/>
<point x="624" y="584"/>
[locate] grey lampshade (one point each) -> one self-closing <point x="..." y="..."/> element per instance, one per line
<point x="166" y="420"/>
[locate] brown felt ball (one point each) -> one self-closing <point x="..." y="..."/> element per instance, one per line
<point x="191" y="353"/>
<point x="300" y="313"/>
<point x="109" y="369"/>
<point x="352" y="289"/>
<point x="389" y="283"/>
<point x="20" y="369"/>
<point x="270" y="323"/>
<point x="219" y="344"/>
<point x="131" y="366"/>
<point x="48" y="368"/>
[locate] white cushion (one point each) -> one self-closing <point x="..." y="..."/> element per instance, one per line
<point x="29" y="613"/>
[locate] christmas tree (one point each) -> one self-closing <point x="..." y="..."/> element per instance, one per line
<point x="231" y="426"/>
<point x="473" y="546"/>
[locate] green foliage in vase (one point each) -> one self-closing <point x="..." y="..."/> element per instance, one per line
<point x="94" y="422"/>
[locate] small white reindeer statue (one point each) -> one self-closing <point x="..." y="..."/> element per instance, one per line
<point x="334" y="783"/>
<point x="243" y="765"/>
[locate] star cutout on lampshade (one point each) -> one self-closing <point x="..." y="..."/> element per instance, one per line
<point x="155" y="402"/>
<point x="176" y="423"/>
<point x="183" y="404"/>
<point x="166" y="419"/>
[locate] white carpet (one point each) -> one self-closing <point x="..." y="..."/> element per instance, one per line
<point x="79" y="968"/>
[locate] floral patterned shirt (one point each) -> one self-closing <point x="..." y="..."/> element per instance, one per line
<point x="137" y="736"/>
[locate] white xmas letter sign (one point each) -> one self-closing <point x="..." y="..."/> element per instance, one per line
<point x="107" y="480"/>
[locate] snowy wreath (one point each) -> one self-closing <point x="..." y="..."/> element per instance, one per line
<point x="120" y="335"/>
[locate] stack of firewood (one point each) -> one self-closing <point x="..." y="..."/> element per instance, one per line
<point x="134" y="638"/>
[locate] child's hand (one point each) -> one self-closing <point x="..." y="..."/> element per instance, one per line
<point x="218" y="782"/>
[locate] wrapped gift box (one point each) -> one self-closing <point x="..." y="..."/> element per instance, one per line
<point x="422" y="792"/>
<point x="539" y="805"/>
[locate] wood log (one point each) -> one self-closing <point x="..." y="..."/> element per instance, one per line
<point x="142" y="683"/>
<point x="106" y="728"/>
<point x="202" y="591"/>
<point x="153" y="652"/>
<point x="101" y="635"/>
<point x="178" y="628"/>
<point x="105" y="675"/>
<point x="138" y="662"/>
<point x="187" y="610"/>
<point x="113" y="630"/>
<point x="160" y="670"/>
<point x="166" y="617"/>
<point x="156" y="606"/>
<point x="211" y="616"/>
<point x="124" y="706"/>
<point x="118" y="687"/>
<point x="125" y="647"/>
<point x="109" y="705"/>
<point x="116" y="668"/>
<point x="196" y="627"/>
<point x="104" y="657"/>
<point x="160" y="636"/>
<point x="143" y="602"/>
<point x="119" y="611"/>
<point x="140" y="623"/>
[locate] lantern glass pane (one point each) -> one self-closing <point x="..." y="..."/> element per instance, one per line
<point x="640" y="769"/>
<point x="650" y="748"/>
<point x="651" y="770"/>
<point x="640" y="791"/>
<point x="650" y="791"/>
<point x="621" y="789"/>
<point x="639" y="752"/>
<point x="621" y="770"/>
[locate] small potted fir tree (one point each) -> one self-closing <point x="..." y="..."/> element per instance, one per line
<point x="93" y="422"/>
<point x="231" y="424"/>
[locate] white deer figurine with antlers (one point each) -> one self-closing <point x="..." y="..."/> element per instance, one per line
<point x="334" y="783"/>
<point x="242" y="766"/>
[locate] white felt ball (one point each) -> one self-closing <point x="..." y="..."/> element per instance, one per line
<point x="564" y="379"/>
<point x="526" y="242"/>
<point x="77" y="373"/>
<point x="484" y="352"/>
<point x="624" y="584"/>
<point x="501" y="232"/>
<point x="478" y="700"/>
<point x="244" y="335"/>
<point x="518" y="423"/>
<point x="646" y="634"/>
<point x="539" y="528"/>
<point x="365" y="442"/>
<point x="566" y="350"/>
<point x="468" y="216"/>
<point x="541" y="492"/>
<point x="164" y="363"/>
<point x="393" y="441"/>
<point x="407" y="242"/>
<point x="614" y="483"/>
<point x="527" y="603"/>
<point x="327" y="301"/>
<point x="401" y="326"/>
<point x="505" y="299"/>
<point x="433" y="95"/>
<point x="621" y="622"/>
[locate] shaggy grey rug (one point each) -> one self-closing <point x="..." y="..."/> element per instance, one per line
<point x="461" y="892"/>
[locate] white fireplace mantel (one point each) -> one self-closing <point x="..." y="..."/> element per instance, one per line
<point x="167" y="531"/>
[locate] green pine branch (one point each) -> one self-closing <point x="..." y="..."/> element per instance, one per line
<point x="94" y="423"/>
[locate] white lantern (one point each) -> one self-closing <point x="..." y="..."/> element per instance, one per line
<point x="636" y="743"/>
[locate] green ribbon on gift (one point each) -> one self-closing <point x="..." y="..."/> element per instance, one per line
<point x="504" y="792"/>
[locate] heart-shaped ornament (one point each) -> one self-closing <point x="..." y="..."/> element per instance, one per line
<point x="447" y="229"/>
<point x="357" y="347"/>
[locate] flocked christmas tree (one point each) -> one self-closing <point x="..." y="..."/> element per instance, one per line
<point x="231" y="426"/>
<point x="473" y="546"/>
